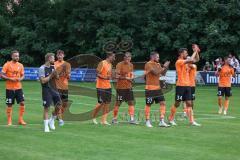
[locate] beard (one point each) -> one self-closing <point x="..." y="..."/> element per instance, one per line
<point x="15" y="60"/>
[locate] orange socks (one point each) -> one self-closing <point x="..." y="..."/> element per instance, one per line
<point x="20" y="119"/>
<point x="226" y="104"/>
<point x="21" y="112"/>
<point x="60" y="113"/>
<point x="115" y="112"/>
<point x="9" y="115"/>
<point x="147" y="112"/>
<point x="172" y="114"/>
<point x="62" y="110"/>
<point x="131" y="111"/>
<point x="162" y="111"/>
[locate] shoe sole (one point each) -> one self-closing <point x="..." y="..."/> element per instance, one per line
<point x="23" y="124"/>
<point x="149" y="126"/>
<point x="164" y="126"/>
<point x="134" y="123"/>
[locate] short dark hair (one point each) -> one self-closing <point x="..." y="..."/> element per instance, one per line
<point x="181" y="50"/>
<point x="60" y="51"/>
<point x="153" y="53"/>
<point x="109" y="54"/>
<point x="48" y="55"/>
<point x="129" y="53"/>
<point x="225" y="58"/>
<point x="14" y="51"/>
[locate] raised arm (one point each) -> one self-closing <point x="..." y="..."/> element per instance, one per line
<point x="197" y="58"/>
<point x="165" y="68"/>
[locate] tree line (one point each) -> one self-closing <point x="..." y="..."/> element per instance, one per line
<point x="84" y="26"/>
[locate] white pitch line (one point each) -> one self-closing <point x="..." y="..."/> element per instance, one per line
<point x="26" y="126"/>
<point x="88" y="104"/>
<point x="72" y="122"/>
<point x="197" y="113"/>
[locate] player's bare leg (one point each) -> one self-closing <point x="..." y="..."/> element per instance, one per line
<point x="95" y="112"/>
<point x="184" y="109"/>
<point x="105" y="114"/>
<point x="226" y="104"/>
<point x="220" y="105"/>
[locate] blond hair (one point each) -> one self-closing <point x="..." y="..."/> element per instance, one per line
<point x="48" y="55"/>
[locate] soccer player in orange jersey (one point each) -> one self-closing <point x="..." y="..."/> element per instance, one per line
<point x="153" y="92"/>
<point x="103" y="85"/>
<point x="13" y="73"/>
<point x="225" y="73"/>
<point x="183" y="86"/>
<point x="192" y="78"/>
<point x="64" y="71"/>
<point x="124" y="76"/>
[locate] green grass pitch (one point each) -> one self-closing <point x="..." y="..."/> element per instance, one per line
<point x="217" y="139"/>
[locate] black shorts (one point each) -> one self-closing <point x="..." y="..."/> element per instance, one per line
<point x="104" y="95"/>
<point x="193" y="93"/>
<point x="224" y="91"/>
<point x="11" y="95"/>
<point x="50" y="96"/>
<point x="125" y="95"/>
<point x="154" y="96"/>
<point x="183" y="93"/>
<point x="63" y="95"/>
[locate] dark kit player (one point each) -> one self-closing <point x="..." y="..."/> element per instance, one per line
<point x="47" y="75"/>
